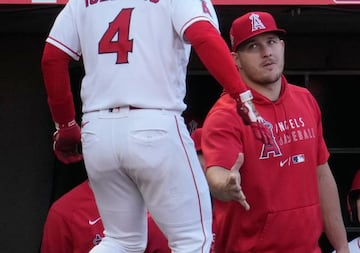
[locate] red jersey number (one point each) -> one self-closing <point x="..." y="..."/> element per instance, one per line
<point x="116" y="38"/>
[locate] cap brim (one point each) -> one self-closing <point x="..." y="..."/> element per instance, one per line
<point x="281" y="32"/>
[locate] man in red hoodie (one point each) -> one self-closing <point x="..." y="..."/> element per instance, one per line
<point x="286" y="195"/>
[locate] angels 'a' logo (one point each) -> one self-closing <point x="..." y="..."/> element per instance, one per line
<point x="256" y="22"/>
<point x="272" y="148"/>
<point x="97" y="239"/>
<point x="205" y="8"/>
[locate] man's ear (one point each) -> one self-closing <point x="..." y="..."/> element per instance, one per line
<point x="283" y="43"/>
<point x="235" y="57"/>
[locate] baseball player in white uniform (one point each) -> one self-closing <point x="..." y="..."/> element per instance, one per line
<point x="137" y="150"/>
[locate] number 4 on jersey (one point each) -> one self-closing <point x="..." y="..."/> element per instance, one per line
<point x="116" y="38"/>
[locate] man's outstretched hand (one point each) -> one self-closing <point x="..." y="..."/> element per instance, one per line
<point x="233" y="185"/>
<point x="67" y="141"/>
<point x="250" y="116"/>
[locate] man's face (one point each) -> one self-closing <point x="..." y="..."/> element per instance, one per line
<point x="261" y="58"/>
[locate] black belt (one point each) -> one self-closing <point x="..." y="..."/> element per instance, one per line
<point x="119" y="107"/>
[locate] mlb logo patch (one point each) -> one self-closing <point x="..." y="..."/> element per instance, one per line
<point x="298" y="158"/>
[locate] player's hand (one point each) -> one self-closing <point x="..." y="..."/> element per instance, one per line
<point x="250" y="116"/>
<point x="67" y="140"/>
<point x="233" y="185"/>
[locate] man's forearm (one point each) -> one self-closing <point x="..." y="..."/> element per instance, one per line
<point x="331" y="212"/>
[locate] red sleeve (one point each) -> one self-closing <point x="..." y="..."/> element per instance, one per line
<point x="222" y="134"/>
<point x="55" y="68"/>
<point x="56" y="235"/>
<point x="216" y="56"/>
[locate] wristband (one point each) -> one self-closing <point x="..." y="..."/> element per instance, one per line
<point x="246" y="96"/>
<point x="65" y="125"/>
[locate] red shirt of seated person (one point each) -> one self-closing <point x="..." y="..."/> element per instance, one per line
<point x="73" y="225"/>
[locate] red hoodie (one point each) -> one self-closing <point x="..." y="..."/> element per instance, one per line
<point x="279" y="181"/>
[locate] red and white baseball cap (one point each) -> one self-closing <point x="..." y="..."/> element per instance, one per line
<point x="250" y="25"/>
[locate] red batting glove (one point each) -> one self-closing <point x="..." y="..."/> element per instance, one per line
<point x="250" y="116"/>
<point x="67" y="140"/>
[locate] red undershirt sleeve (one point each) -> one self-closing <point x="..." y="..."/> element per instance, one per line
<point x="216" y="56"/>
<point x="55" y="68"/>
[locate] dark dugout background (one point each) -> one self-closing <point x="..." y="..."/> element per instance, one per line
<point x="321" y="54"/>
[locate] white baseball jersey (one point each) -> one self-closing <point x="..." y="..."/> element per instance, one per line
<point x="130" y="58"/>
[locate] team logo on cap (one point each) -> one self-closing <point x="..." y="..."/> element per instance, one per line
<point x="256" y="22"/>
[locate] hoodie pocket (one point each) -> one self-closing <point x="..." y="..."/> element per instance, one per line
<point x="297" y="231"/>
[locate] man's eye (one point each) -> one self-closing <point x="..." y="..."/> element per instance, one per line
<point x="252" y="46"/>
<point x="272" y="42"/>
